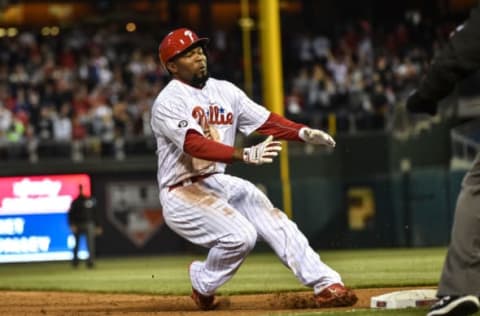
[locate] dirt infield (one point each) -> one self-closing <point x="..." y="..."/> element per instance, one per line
<point x="13" y="303"/>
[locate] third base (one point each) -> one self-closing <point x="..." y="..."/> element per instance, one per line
<point x="404" y="299"/>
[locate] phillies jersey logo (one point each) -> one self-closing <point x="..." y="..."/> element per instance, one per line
<point x="214" y="116"/>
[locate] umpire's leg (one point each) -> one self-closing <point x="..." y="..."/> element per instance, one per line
<point x="75" y="248"/>
<point x="461" y="271"/>
<point x="90" y="234"/>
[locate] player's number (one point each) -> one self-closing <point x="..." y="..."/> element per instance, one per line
<point x="189" y="34"/>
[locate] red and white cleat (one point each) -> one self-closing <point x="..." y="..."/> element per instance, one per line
<point x="335" y="295"/>
<point x="204" y="302"/>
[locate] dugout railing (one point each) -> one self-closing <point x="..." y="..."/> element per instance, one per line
<point x="465" y="141"/>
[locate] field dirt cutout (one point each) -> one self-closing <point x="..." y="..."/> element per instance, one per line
<point x="32" y="303"/>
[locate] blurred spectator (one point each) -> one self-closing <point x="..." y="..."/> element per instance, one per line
<point x="320" y="89"/>
<point x="44" y="124"/>
<point x="321" y="47"/>
<point x="293" y="103"/>
<point x="5" y="121"/>
<point x="62" y="124"/>
<point x="109" y="77"/>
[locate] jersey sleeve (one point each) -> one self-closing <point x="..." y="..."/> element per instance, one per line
<point x="459" y="58"/>
<point x="250" y="114"/>
<point x="173" y="121"/>
<point x="203" y="148"/>
<point x="281" y="128"/>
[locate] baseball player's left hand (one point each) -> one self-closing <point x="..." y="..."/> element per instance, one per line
<point x="263" y="152"/>
<point x="316" y="137"/>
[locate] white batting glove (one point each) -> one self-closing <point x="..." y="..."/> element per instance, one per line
<point x="316" y="137"/>
<point x="263" y="152"/>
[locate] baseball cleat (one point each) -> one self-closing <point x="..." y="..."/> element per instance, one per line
<point x="335" y="295"/>
<point x="204" y="302"/>
<point x="455" y="306"/>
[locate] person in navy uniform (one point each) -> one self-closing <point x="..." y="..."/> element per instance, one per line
<point x="82" y="221"/>
<point x="459" y="286"/>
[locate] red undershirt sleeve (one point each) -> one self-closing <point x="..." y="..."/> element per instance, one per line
<point x="281" y="128"/>
<point x="198" y="146"/>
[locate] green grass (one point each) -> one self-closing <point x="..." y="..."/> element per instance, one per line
<point x="261" y="273"/>
<point x="388" y="267"/>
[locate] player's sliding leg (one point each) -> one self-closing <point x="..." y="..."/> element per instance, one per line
<point x="292" y="247"/>
<point x="205" y="219"/>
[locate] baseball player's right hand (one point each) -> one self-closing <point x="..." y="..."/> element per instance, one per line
<point x="263" y="152"/>
<point x="316" y="137"/>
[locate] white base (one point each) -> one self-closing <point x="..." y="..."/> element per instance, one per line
<point x="404" y="299"/>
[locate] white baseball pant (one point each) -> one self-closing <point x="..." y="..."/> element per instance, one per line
<point x="228" y="214"/>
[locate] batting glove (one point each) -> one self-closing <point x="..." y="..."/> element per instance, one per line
<point x="263" y="152"/>
<point x="316" y="137"/>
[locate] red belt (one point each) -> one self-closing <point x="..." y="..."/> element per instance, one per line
<point x="189" y="181"/>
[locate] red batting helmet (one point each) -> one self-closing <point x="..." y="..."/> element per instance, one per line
<point x="178" y="41"/>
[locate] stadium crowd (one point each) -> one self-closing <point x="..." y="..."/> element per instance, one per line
<point x="360" y="73"/>
<point x="91" y="87"/>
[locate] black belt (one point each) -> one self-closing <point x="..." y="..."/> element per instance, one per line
<point x="189" y="181"/>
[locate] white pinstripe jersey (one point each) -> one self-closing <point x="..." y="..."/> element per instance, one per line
<point x="216" y="111"/>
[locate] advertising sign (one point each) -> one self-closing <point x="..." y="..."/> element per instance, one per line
<point x="33" y="217"/>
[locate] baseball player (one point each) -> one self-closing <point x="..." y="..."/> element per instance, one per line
<point x="195" y="119"/>
<point x="459" y="286"/>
